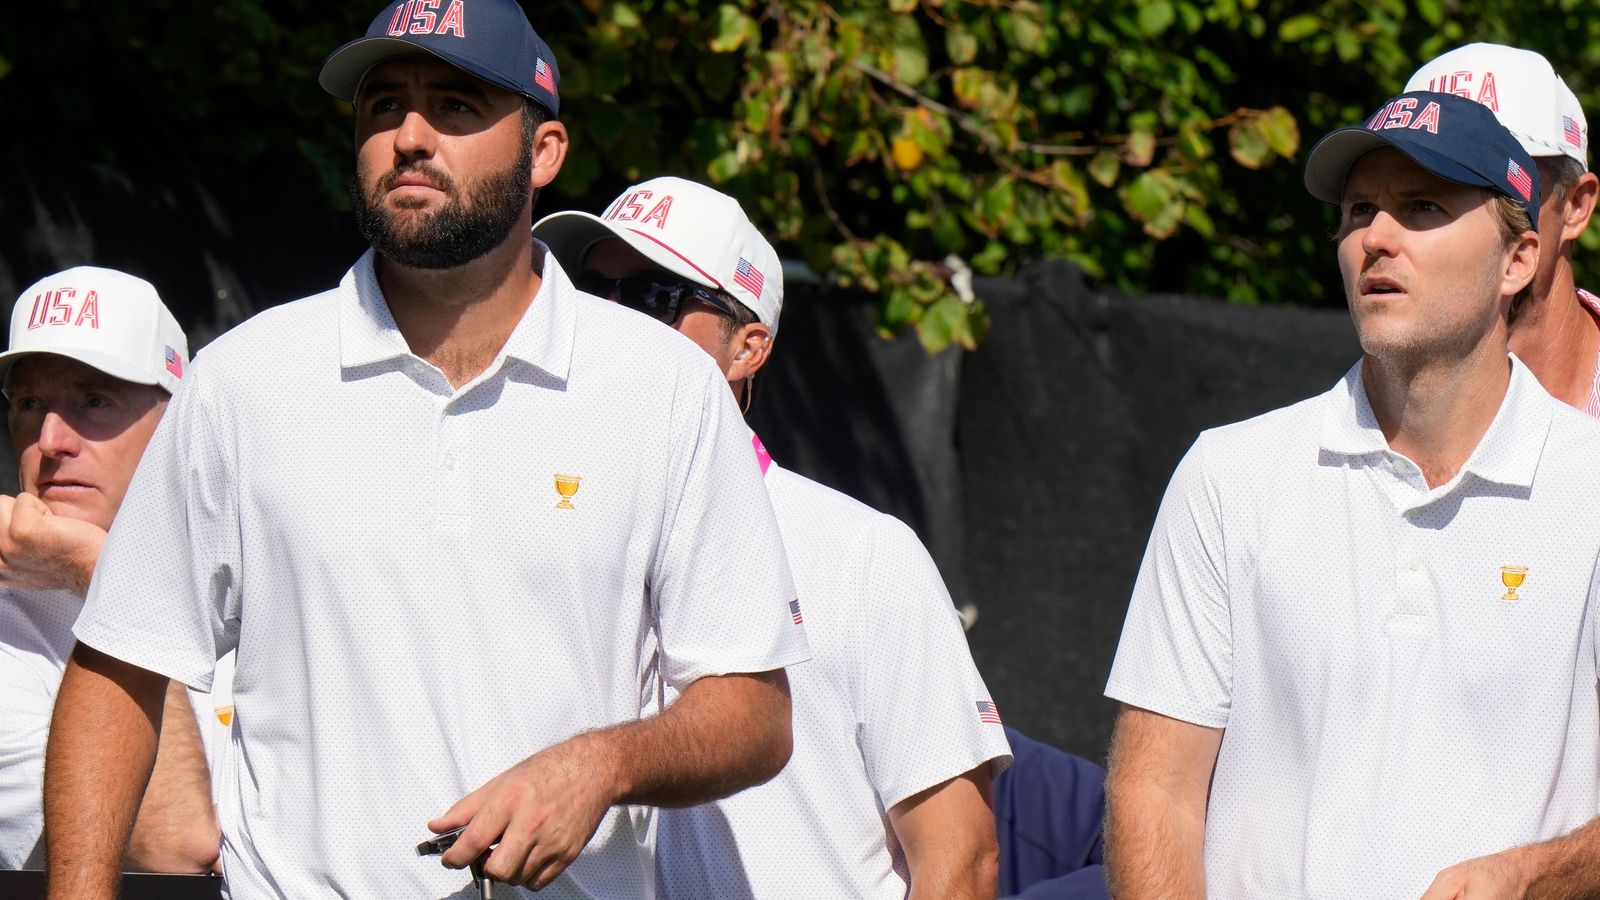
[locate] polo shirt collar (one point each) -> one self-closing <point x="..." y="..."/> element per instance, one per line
<point x="543" y="338"/>
<point x="1507" y="454"/>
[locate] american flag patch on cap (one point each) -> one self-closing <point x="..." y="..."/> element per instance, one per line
<point x="1519" y="179"/>
<point x="988" y="713"/>
<point x="541" y="75"/>
<point x="794" y="611"/>
<point x="748" y="277"/>
<point x="174" y="363"/>
<point x="1571" y="131"/>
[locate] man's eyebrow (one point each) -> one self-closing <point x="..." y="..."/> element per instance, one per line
<point x="378" y="87"/>
<point x="458" y="86"/>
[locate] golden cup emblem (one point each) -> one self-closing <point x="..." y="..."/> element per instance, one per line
<point x="566" y="486"/>
<point x="1511" y="577"/>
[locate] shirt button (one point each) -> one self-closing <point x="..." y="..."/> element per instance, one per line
<point x="1415" y="563"/>
<point x="449" y="462"/>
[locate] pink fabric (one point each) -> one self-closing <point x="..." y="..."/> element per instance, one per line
<point x="1592" y="303"/>
<point x="762" y="456"/>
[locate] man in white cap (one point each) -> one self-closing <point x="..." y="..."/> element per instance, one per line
<point x="1555" y="325"/>
<point x="94" y="356"/>
<point x="895" y="737"/>
<point x="454" y="515"/>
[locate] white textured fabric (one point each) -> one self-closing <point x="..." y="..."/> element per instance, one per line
<point x="213" y="712"/>
<point x="35" y="641"/>
<point x="412" y="611"/>
<point x="1387" y="713"/>
<point x="886" y="708"/>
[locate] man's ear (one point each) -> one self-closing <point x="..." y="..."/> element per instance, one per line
<point x="755" y="346"/>
<point x="1579" y="208"/>
<point x="549" y="152"/>
<point x="1522" y="261"/>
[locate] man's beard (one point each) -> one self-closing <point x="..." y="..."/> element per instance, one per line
<point x="460" y="232"/>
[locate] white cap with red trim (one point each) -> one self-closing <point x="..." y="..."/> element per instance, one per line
<point x="685" y="228"/>
<point x="103" y="318"/>
<point x="1526" y="94"/>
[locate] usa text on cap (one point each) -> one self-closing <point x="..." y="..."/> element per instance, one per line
<point x="685" y="228"/>
<point x="1526" y="94"/>
<point x="102" y="318"/>
<point x="1452" y="137"/>
<point x="489" y="39"/>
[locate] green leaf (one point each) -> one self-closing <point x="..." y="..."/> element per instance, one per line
<point x="1156" y="17"/>
<point x="942" y="323"/>
<point x="1298" y="28"/>
<point x="1196" y="217"/>
<point x="998" y="202"/>
<point x="1248" y="145"/>
<point x="724" y="166"/>
<point x="1104" y="168"/>
<point x="1431" y="11"/>
<point x="1281" y="131"/>
<point x="909" y="64"/>
<point x="1150" y="194"/>
<point x="625" y="16"/>
<point x="896" y="312"/>
<point x="961" y="45"/>
<point x="733" y="29"/>
<point x="990" y="258"/>
<point x="1140" y="150"/>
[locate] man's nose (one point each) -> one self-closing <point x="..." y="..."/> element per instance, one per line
<point x="1382" y="235"/>
<point x="57" y="437"/>
<point x="416" y="137"/>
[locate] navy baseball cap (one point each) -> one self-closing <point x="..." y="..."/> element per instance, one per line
<point x="1452" y="137"/>
<point x="489" y="39"/>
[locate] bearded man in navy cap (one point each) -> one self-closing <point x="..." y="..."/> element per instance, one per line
<point x="457" y="518"/>
<point x="1360" y="657"/>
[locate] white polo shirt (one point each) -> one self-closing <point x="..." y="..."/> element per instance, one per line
<point x="887" y="707"/>
<point x="35" y="641"/>
<point x="1387" y="712"/>
<point x="413" y="611"/>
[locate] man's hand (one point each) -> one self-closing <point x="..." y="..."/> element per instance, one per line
<point x="41" y="550"/>
<point x="1502" y="876"/>
<point x="542" y="812"/>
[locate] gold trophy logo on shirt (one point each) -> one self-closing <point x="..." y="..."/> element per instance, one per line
<point x="566" y="486"/>
<point x="1511" y="577"/>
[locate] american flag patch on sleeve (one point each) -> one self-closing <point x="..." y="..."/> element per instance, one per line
<point x="987" y="712"/>
<point x="794" y="611"/>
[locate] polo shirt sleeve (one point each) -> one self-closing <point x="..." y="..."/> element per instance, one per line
<point x="165" y="592"/>
<point x="915" y="686"/>
<point x="1176" y="653"/>
<point x="25" y="707"/>
<point x="720" y="582"/>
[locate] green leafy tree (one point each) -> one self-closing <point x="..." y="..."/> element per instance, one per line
<point x="889" y="143"/>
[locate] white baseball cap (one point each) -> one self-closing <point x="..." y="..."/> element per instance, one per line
<point x="1526" y="94"/>
<point x="103" y="318"/>
<point x="685" y="228"/>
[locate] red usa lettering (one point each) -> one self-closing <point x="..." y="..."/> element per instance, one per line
<point x="1460" y="84"/>
<point x="422" y="17"/>
<point x="1398" y="115"/>
<point x="631" y="208"/>
<point x="59" y="308"/>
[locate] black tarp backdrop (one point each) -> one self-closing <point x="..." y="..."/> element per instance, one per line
<point x="1031" y="467"/>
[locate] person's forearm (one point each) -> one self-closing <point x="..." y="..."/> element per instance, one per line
<point x="101" y="748"/>
<point x="1564" y="867"/>
<point x="723" y="735"/>
<point x="176" y="829"/>
<point x="1154" y="844"/>
<point x="948" y="836"/>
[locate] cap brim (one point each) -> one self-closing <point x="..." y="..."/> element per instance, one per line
<point x="114" y="366"/>
<point x="571" y="234"/>
<point x="1329" y="162"/>
<point x="344" y="68"/>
